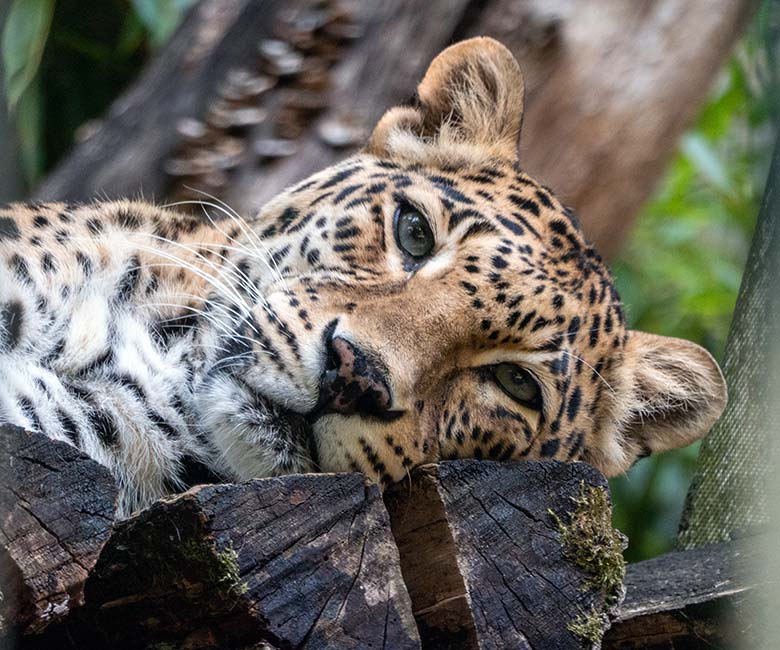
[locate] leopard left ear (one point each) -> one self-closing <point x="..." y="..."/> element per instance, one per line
<point x="472" y="93"/>
<point x="674" y="393"/>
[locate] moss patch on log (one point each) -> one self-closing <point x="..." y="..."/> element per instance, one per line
<point x="590" y="541"/>
<point x="589" y="627"/>
<point x="222" y="568"/>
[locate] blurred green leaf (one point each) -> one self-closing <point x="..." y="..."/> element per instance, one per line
<point x="706" y="160"/>
<point x="131" y="35"/>
<point x="29" y="126"/>
<point x="24" y="37"/>
<point x="160" y="17"/>
<point x="731" y="95"/>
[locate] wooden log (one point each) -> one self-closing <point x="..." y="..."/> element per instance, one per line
<point x="298" y="561"/>
<point x="694" y="600"/>
<point x="56" y="511"/>
<point x="519" y="555"/>
<point x="611" y="86"/>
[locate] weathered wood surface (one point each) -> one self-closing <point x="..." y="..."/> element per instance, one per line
<point x="610" y="87"/>
<point x="692" y="600"/>
<point x="294" y="562"/>
<point x="483" y="558"/>
<point x="56" y="511"/>
<point x="311" y="562"/>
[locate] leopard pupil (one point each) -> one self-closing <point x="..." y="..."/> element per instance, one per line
<point x="414" y="234"/>
<point x="518" y="383"/>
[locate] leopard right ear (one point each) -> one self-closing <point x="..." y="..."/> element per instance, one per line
<point x="471" y="94"/>
<point x="673" y="393"/>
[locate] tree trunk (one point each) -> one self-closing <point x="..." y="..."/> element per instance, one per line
<point x="697" y="600"/>
<point x="611" y="85"/>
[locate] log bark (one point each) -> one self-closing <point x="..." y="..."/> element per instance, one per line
<point x="299" y="561"/>
<point x="483" y="557"/>
<point x="693" y="600"/>
<point x="56" y="511"/>
<point x="611" y="85"/>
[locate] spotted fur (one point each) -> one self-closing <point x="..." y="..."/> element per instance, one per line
<point x="177" y="350"/>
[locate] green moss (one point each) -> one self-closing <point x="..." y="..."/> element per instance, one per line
<point x="227" y="562"/>
<point x="222" y="570"/>
<point x="588" y="626"/>
<point x="591" y="542"/>
<point x="191" y="563"/>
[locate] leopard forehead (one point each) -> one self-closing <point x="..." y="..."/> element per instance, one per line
<point x="508" y="243"/>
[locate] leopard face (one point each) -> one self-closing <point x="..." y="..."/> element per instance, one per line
<point x="426" y="299"/>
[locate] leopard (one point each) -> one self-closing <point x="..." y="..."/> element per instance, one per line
<point x="422" y="300"/>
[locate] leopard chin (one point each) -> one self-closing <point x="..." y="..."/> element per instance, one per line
<point x="253" y="436"/>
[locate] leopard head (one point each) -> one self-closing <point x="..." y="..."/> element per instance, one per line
<point x="425" y="299"/>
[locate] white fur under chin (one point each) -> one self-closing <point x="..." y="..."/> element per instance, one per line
<point x="248" y="437"/>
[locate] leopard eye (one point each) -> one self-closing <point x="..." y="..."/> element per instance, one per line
<point x="412" y="232"/>
<point x="519" y="384"/>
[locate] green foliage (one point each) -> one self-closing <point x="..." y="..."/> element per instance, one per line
<point x="160" y="17"/>
<point x="680" y="272"/>
<point x="23" y="38"/>
<point x="64" y="61"/>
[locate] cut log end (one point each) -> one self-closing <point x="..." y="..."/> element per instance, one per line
<point x="300" y="561"/>
<point x="56" y="511"/>
<point x="494" y="555"/>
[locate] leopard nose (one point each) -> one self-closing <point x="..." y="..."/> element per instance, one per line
<point x="354" y="382"/>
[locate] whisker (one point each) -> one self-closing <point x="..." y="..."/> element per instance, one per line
<point x="219" y="270"/>
<point x="230" y="333"/>
<point x="236" y="218"/>
<point x="574" y="356"/>
<point x="227" y="291"/>
<point x="242" y="279"/>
